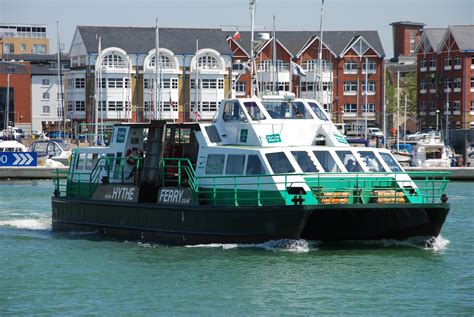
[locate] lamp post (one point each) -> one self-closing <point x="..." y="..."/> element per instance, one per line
<point x="437" y="114"/>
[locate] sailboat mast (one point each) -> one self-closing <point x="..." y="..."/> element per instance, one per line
<point x="196" y="82"/>
<point x="320" y="56"/>
<point x="156" y="110"/>
<point x="60" y="85"/>
<point x="98" y="84"/>
<point x="274" y="57"/>
<point x="253" y="4"/>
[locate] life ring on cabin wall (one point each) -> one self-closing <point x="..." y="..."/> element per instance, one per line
<point x="132" y="154"/>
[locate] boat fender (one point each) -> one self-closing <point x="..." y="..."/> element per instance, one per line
<point x="132" y="154"/>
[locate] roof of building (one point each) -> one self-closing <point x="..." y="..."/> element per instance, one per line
<point x="464" y="36"/>
<point x="408" y="23"/>
<point x="336" y="41"/>
<point x="142" y="39"/>
<point x="434" y="37"/>
<point x="37" y="57"/>
<point x="43" y="69"/>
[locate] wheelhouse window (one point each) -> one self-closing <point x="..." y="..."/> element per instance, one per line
<point x="254" y="111"/>
<point x="391" y="162"/>
<point x="254" y="166"/>
<point x="233" y="112"/>
<point x="349" y="161"/>
<point x="213" y="134"/>
<point x="286" y="110"/>
<point x="318" y="111"/>
<point x="215" y="164"/>
<point x="327" y="161"/>
<point x="304" y="161"/>
<point x="235" y="164"/>
<point x="371" y="161"/>
<point x="279" y="163"/>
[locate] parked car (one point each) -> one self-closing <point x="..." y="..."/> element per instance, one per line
<point x="416" y="136"/>
<point x="374" y="133"/>
<point x="12" y="133"/>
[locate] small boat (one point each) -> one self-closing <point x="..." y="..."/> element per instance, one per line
<point x="403" y="153"/>
<point x="431" y="151"/>
<point x="264" y="169"/>
<point x="55" y="150"/>
<point x="12" y="146"/>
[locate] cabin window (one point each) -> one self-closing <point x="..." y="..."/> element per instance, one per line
<point x="80" y="161"/>
<point x="318" y="111"/>
<point x="304" y="161"/>
<point x="327" y="161"/>
<point x="279" y="163"/>
<point x="391" y="162"/>
<point x="371" y="161"/>
<point x="233" y="112"/>
<point x="212" y="134"/>
<point x="349" y="161"/>
<point x="286" y="110"/>
<point x="235" y="165"/>
<point x="254" y="165"/>
<point x="215" y="164"/>
<point x="254" y="111"/>
<point x="91" y="160"/>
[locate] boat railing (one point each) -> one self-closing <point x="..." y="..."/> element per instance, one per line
<point x="83" y="183"/>
<point x="325" y="188"/>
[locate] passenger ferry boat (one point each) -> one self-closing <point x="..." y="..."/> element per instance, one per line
<point x="264" y="169"/>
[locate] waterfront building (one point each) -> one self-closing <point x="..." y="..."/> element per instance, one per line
<point x="23" y="39"/>
<point x="15" y="85"/>
<point x="446" y="77"/>
<point x="406" y="36"/>
<point x="189" y="58"/>
<point x="346" y="55"/>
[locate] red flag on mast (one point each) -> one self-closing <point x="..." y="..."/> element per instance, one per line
<point x="236" y="35"/>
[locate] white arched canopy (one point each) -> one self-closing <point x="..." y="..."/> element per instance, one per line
<point x="208" y="59"/>
<point x="168" y="61"/>
<point x="114" y="58"/>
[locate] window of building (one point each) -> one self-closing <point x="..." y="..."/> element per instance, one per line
<point x="215" y="164"/>
<point x="423" y="106"/>
<point x="279" y="163"/>
<point x="350" y="107"/>
<point x="432" y="106"/>
<point x="447" y="62"/>
<point x="457" y="83"/>
<point x="70" y="106"/>
<point x="350" y="86"/>
<point x="45" y="82"/>
<point x="174" y="83"/>
<point x="307" y="86"/>
<point x="60" y="112"/>
<point x="165" y="61"/>
<point x="472" y="83"/>
<point x="23" y="48"/>
<point x="447" y="83"/>
<point x="8" y="48"/>
<point x="372" y="66"/>
<point x="370" y="87"/>
<point x="114" y="61"/>
<point x="208" y="62"/>
<point x="457" y="61"/>
<point x="208" y="83"/>
<point x="240" y="86"/>
<point x="39" y="49"/>
<point x="235" y="164"/>
<point x="80" y="106"/>
<point x="423" y="63"/>
<point x="370" y="107"/>
<point x="457" y="105"/>
<point x="432" y="63"/>
<point x="46" y="109"/>
<point x="220" y="83"/>
<point x="126" y="82"/>
<point x="80" y="82"/>
<point x="115" y="105"/>
<point x="471" y="108"/>
<point x="422" y="84"/>
<point x="350" y="67"/>
<point x="46" y="95"/>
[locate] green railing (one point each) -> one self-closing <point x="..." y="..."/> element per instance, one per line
<point x="260" y="190"/>
<point x="284" y="189"/>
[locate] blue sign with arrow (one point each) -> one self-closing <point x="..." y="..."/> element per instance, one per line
<point x="18" y="159"/>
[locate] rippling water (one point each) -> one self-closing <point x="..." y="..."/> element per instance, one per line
<point x="44" y="273"/>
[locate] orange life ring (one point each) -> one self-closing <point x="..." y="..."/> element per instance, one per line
<point x="132" y="154"/>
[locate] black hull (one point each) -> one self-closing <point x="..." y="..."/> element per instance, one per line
<point x="179" y="224"/>
<point x="373" y="222"/>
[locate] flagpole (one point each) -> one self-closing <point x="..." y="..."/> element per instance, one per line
<point x="155" y="86"/>
<point x="320" y="55"/>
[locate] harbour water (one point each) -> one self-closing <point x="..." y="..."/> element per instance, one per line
<point x="45" y="273"/>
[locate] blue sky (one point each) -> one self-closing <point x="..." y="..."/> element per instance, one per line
<point x="290" y="14"/>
